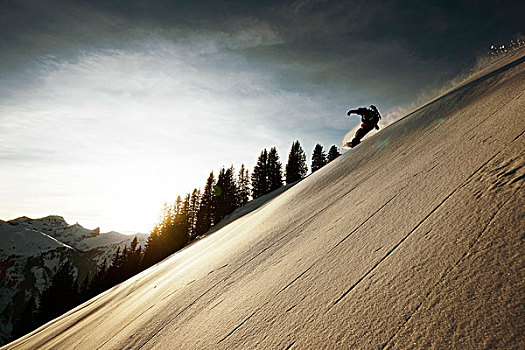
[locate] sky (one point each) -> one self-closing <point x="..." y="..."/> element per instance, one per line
<point x="110" y="108"/>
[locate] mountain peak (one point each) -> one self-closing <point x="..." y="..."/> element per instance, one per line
<point x="54" y="218"/>
<point x="56" y="227"/>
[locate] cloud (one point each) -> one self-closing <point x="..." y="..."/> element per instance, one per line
<point x="130" y="103"/>
<point x="143" y="122"/>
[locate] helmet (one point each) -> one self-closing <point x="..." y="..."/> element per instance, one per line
<point x="373" y="107"/>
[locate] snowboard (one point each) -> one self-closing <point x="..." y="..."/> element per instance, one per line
<point x="350" y="144"/>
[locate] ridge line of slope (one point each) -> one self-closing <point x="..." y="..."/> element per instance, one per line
<point x="463" y="86"/>
<point x="451" y="268"/>
<point x="409" y="233"/>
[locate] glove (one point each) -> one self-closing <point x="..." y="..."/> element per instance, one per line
<point x="377" y="127"/>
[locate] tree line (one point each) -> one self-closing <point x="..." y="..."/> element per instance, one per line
<point x="180" y="223"/>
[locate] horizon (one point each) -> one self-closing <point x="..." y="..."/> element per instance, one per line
<point x="109" y="111"/>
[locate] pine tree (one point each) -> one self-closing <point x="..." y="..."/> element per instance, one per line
<point x="131" y="263"/>
<point x="243" y="186"/>
<point x="185" y="213"/>
<point x="152" y="252"/>
<point x="177" y="210"/>
<point x="296" y="167"/>
<point x="318" y="158"/>
<point x="230" y="192"/>
<point x="175" y="236"/>
<point x="275" y="170"/>
<point x="133" y="245"/>
<point x="60" y="296"/>
<point x="99" y="282"/>
<point x="260" y="185"/>
<point x="225" y="191"/>
<point x="333" y="153"/>
<point x="205" y="215"/>
<point x="193" y="210"/>
<point x="219" y="207"/>
<point x="117" y="259"/>
<point x="27" y="321"/>
<point x="83" y="290"/>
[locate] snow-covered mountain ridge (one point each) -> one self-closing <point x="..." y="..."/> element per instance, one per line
<point x="56" y="229"/>
<point x="31" y="250"/>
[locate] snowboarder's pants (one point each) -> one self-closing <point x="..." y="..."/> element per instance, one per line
<point x="361" y="132"/>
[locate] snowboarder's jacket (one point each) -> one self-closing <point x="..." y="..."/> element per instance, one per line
<point x="369" y="116"/>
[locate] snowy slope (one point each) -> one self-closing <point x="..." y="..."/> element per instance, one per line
<point x="414" y="239"/>
<point x="24" y="236"/>
<point x="104" y="246"/>
<point x="56" y="227"/>
<point x="24" y="241"/>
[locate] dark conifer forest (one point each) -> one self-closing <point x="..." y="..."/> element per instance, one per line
<point x="190" y="216"/>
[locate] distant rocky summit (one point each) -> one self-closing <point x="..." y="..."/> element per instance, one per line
<point x="31" y="250"/>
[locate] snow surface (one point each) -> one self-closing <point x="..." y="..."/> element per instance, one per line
<point x="104" y="246"/>
<point x="56" y="227"/>
<point x="414" y="239"/>
<point x="109" y="238"/>
<point x="24" y="236"/>
<point x="16" y="240"/>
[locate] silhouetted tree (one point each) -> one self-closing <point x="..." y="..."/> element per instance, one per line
<point x="116" y="262"/>
<point x="157" y="246"/>
<point x="225" y="191"/>
<point x="60" y="296"/>
<point x="175" y="236"/>
<point x="131" y="260"/>
<point x="275" y="170"/>
<point x="205" y="215"/>
<point x="260" y="185"/>
<point x="133" y="245"/>
<point x="318" y="158"/>
<point x="296" y="167"/>
<point x="83" y="290"/>
<point x="170" y="234"/>
<point x="193" y="211"/>
<point x="186" y="212"/>
<point x="27" y="321"/>
<point x="151" y="251"/>
<point x="333" y="153"/>
<point x="243" y="186"/>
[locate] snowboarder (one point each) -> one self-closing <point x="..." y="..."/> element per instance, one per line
<point x="369" y="118"/>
